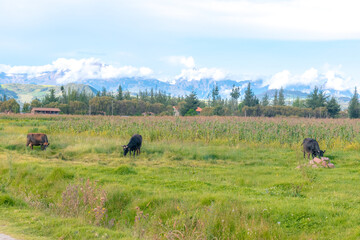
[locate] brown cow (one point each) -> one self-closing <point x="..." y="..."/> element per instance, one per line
<point x="37" y="139"/>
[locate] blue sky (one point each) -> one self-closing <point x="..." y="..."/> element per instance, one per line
<point x="235" y="39"/>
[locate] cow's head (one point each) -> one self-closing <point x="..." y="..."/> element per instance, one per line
<point x="320" y="153"/>
<point x="46" y="144"/>
<point x="126" y="149"/>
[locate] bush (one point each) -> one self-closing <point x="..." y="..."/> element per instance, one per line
<point x="86" y="199"/>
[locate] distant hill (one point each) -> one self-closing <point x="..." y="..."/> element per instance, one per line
<point x="27" y="92"/>
<point x="25" y="87"/>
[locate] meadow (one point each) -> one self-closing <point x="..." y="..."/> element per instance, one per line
<point x="196" y="178"/>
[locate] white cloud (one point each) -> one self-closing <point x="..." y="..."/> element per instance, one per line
<point x="201" y="73"/>
<point x="188" y="62"/>
<point x="330" y="79"/>
<point x="284" y="19"/>
<point x="275" y="19"/>
<point x="73" y="70"/>
<point x="76" y="70"/>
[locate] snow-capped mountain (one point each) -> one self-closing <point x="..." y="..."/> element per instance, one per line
<point x="97" y="75"/>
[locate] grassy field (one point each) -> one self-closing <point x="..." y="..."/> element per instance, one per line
<point x="197" y="178"/>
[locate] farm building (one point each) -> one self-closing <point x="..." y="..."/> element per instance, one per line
<point x="176" y="111"/>
<point x="198" y="110"/>
<point x="45" y="111"/>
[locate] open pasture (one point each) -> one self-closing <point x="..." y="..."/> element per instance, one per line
<point x="196" y="178"/>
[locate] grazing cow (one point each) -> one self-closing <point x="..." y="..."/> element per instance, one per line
<point x="37" y="139"/>
<point x="312" y="146"/>
<point x="134" y="145"/>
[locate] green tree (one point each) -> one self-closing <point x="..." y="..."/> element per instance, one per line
<point x="127" y="95"/>
<point x="10" y="106"/>
<point x="281" y="101"/>
<point x="77" y="107"/>
<point x="35" y="103"/>
<point x="317" y="98"/>
<point x="354" y="106"/>
<point x="26" y="108"/>
<point x="265" y="100"/>
<point x="275" y="101"/>
<point x="250" y="99"/>
<point x="215" y="96"/>
<point x="297" y="102"/>
<point x="49" y="98"/>
<point x="219" y="110"/>
<point x="191" y="102"/>
<point x="101" y="105"/>
<point x="333" y="107"/>
<point x="191" y="112"/>
<point x="235" y="93"/>
<point x="152" y="97"/>
<point x="119" y="95"/>
<point x="63" y="95"/>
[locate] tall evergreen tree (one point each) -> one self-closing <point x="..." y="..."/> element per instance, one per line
<point x="63" y="95"/>
<point x="119" y="95"/>
<point x="281" y="101"/>
<point x="354" y="106"/>
<point x="215" y="96"/>
<point x="333" y="107"/>
<point x="127" y="95"/>
<point x="265" y="100"/>
<point x="191" y="103"/>
<point x="152" y="98"/>
<point x="235" y="93"/>
<point x="250" y="99"/>
<point x="275" y="101"/>
<point x="317" y="98"/>
<point x="298" y="103"/>
<point x="50" y="98"/>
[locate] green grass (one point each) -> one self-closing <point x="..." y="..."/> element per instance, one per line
<point x="177" y="188"/>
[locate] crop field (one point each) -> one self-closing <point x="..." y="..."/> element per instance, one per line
<point x="196" y="178"/>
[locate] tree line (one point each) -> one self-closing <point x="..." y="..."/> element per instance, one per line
<point x="71" y="101"/>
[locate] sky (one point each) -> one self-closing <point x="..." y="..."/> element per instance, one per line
<point x="283" y="41"/>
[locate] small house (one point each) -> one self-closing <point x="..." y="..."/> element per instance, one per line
<point x="198" y="110"/>
<point x="45" y="111"/>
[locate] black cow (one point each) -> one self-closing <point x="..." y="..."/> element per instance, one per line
<point x="134" y="145"/>
<point x="312" y="146"/>
<point x="37" y="139"/>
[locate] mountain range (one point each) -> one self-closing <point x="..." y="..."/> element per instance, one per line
<point x="25" y="87"/>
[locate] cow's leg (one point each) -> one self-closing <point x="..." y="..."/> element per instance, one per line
<point x="308" y="155"/>
<point x="31" y="146"/>
<point x="304" y="154"/>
